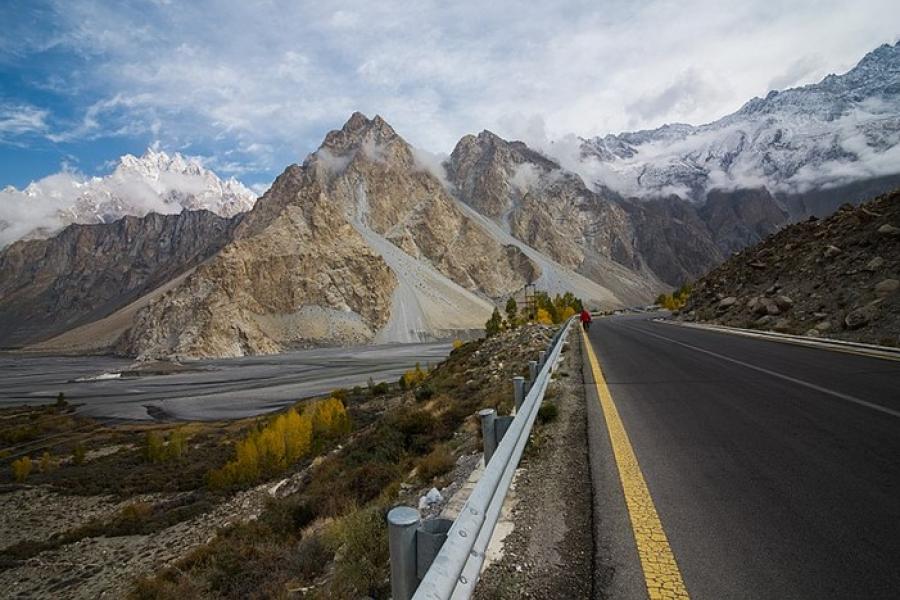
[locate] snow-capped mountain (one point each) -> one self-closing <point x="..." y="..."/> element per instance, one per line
<point x="843" y="129"/>
<point x="155" y="182"/>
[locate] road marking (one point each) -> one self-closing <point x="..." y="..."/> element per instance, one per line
<point x="661" y="572"/>
<point x="820" y="344"/>
<point x="812" y="386"/>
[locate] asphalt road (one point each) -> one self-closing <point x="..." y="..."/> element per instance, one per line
<point x="217" y="389"/>
<point x="775" y="469"/>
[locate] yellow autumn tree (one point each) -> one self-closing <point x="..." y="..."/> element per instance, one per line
<point x="330" y="418"/>
<point x="297" y="436"/>
<point x="21" y="468"/>
<point x="543" y="317"/>
<point x="283" y="441"/>
<point x="567" y="312"/>
<point x="413" y="377"/>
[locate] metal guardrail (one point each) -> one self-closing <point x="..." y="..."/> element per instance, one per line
<point x="457" y="566"/>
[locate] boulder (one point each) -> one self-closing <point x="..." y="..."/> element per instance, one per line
<point x="823" y="326"/>
<point x="763" y="321"/>
<point x="756" y="306"/>
<point x="886" y="287"/>
<point x="831" y="251"/>
<point x="726" y="303"/>
<point x="812" y="333"/>
<point x="784" y="302"/>
<point x="782" y="326"/>
<point x="772" y="308"/>
<point x="874" y="265"/>
<point x="888" y="229"/>
<point x="861" y="317"/>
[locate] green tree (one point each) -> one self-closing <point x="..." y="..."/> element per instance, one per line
<point x="512" y="312"/>
<point x="492" y="327"/>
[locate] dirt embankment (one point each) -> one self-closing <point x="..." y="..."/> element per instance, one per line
<point x="837" y="277"/>
<point x="548" y="554"/>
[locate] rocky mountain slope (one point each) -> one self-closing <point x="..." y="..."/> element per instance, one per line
<point x="843" y="129"/>
<point x="155" y="182"/>
<point x="89" y="271"/>
<point x="533" y="200"/>
<point x="360" y="243"/>
<point x="836" y="277"/>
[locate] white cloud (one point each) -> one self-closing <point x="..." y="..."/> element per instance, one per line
<point x="432" y="163"/>
<point x="282" y="73"/>
<point x="21" y="119"/>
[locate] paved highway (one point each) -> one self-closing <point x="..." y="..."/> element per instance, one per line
<point x="774" y="469"/>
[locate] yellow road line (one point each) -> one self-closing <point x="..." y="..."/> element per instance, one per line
<point x="661" y="572"/>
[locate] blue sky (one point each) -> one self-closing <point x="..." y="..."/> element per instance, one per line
<point x="254" y="86"/>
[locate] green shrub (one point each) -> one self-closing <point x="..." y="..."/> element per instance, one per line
<point x="78" y="454"/>
<point x="436" y="463"/>
<point x="154" y="447"/>
<point x="424" y="392"/>
<point x="313" y="554"/>
<point x="547" y="413"/>
<point x="361" y="565"/>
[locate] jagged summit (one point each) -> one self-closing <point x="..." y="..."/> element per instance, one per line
<point x="842" y="129"/>
<point x="154" y="182"/>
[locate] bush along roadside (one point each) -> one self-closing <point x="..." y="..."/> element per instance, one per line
<point x="327" y="540"/>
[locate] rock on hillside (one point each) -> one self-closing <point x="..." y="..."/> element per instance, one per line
<point x="837" y="277"/>
<point x="89" y="271"/>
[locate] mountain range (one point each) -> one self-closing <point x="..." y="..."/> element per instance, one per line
<point x="371" y="240"/>
<point x="155" y="182"/>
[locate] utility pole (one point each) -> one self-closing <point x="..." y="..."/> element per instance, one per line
<point x="531" y="301"/>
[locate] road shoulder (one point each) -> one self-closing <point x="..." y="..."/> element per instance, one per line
<point x="548" y="553"/>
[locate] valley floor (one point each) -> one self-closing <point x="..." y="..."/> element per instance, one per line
<point x="205" y="390"/>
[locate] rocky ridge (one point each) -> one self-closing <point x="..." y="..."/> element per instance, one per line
<point x="837" y="277"/>
<point x="90" y="271"/>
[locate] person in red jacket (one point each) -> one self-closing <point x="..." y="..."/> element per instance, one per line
<point x="585" y="319"/>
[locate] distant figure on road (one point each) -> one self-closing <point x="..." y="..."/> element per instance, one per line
<point x="585" y="319"/>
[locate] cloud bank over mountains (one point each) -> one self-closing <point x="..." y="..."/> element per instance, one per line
<point x="256" y="85"/>
<point x="154" y="182"/>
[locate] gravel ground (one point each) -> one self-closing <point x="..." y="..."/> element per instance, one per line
<point x="549" y="552"/>
<point x="106" y="567"/>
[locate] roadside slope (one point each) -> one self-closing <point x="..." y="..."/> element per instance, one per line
<point x="837" y="277"/>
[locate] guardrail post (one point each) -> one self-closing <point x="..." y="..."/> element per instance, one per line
<point x="501" y="424"/>
<point x="402" y="524"/>
<point x="532" y="372"/>
<point x="542" y="358"/>
<point x="488" y="432"/>
<point x="430" y="536"/>
<point x="518" y="391"/>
